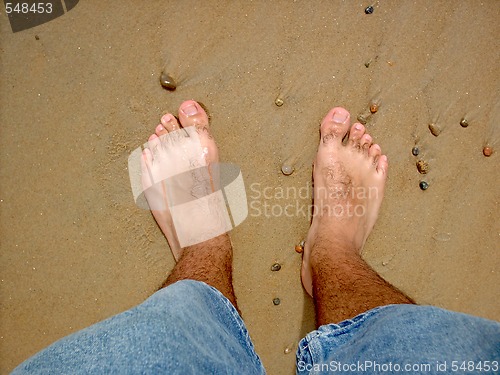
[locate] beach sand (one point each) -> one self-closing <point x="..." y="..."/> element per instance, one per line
<point x="76" y="101"/>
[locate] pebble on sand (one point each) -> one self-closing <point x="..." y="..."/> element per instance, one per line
<point x="362" y="119"/>
<point x="373" y="108"/>
<point x="300" y="247"/>
<point x="415" y="151"/>
<point x="423" y="185"/>
<point x="276" y="267"/>
<point x="464" y="123"/>
<point x="167" y="81"/>
<point x="369" y="9"/>
<point x="276" y="301"/>
<point x="435" y="130"/>
<point x="487" y="151"/>
<point x="287" y="169"/>
<point x="279" y="102"/>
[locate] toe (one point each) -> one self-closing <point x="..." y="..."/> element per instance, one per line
<point x="147" y="159"/>
<point x="170" y="122"/>
<point x="153" y="143"/>
<point x="192" y="114"/>
<point x="335" y="126"/>
<point x="355" y="134"/>
<point x="374" y="152"/>
<point x="153" y="140"/>
<point x="146" y="162"/>
<point x="382" y="165"/>
<point x="366" y="142"/>
<point x="160" y="130"/>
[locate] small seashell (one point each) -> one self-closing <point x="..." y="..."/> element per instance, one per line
<point x="373" y="108"/>
<point x="287" y="169"/>
<point x="422" y="166"/>
<point x="487" y="151"/>
<point x="423" y="185"/>
<point x="464" y="123"/>
<point x="167" y="81"/>
<point x="435" y="130"/>
<point x="276" y="267"/>
<point x="276" y="301"/>
<point x="279" y="102"/>
<point x="369" y="9"/>
<point x="415" y="151"/>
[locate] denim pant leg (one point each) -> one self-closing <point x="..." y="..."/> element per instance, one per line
<point x="403" y="339"/>
<point x="186" y="328"/>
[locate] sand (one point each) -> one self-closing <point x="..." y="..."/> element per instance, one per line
<point x="74" y="247"/>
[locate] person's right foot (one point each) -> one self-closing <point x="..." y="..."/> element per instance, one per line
<point x="163" y="159"/>
<point x="349" y="179"/>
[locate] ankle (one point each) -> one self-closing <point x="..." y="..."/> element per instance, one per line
<point x="336" y="238"/>
<point x="217" y="246"/>
<point x="332" y="250"/>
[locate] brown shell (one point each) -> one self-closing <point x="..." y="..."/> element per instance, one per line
<point x="422" y="166"/>
<point x="374" y="108"/>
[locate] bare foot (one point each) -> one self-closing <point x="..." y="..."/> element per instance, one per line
<point x="166" y="156"/>
<point x="349" y="179"/>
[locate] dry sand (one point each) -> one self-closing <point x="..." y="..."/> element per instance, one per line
<point x="75" y="249"/>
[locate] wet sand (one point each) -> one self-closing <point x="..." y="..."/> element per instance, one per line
<point x="74" y="247"/>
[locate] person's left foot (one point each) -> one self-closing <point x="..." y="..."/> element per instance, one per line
<point x="162" y="158"/>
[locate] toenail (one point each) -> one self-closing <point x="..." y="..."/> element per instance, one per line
<point x="357" y="127"/>
<point x="339" y="117"/>
<point x="160" y="128"/>
<point x="190" y="110"/>
<point x="166" y="118"/>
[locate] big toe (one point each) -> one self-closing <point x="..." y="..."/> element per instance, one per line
<point x="192" y="113"/>
<point x="335" y="126"/>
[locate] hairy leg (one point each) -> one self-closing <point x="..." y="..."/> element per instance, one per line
<point x="210" y="262"/>
<point x="344" y="285"/>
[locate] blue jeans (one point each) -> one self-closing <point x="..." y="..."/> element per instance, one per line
<point x="191" y="328"/>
